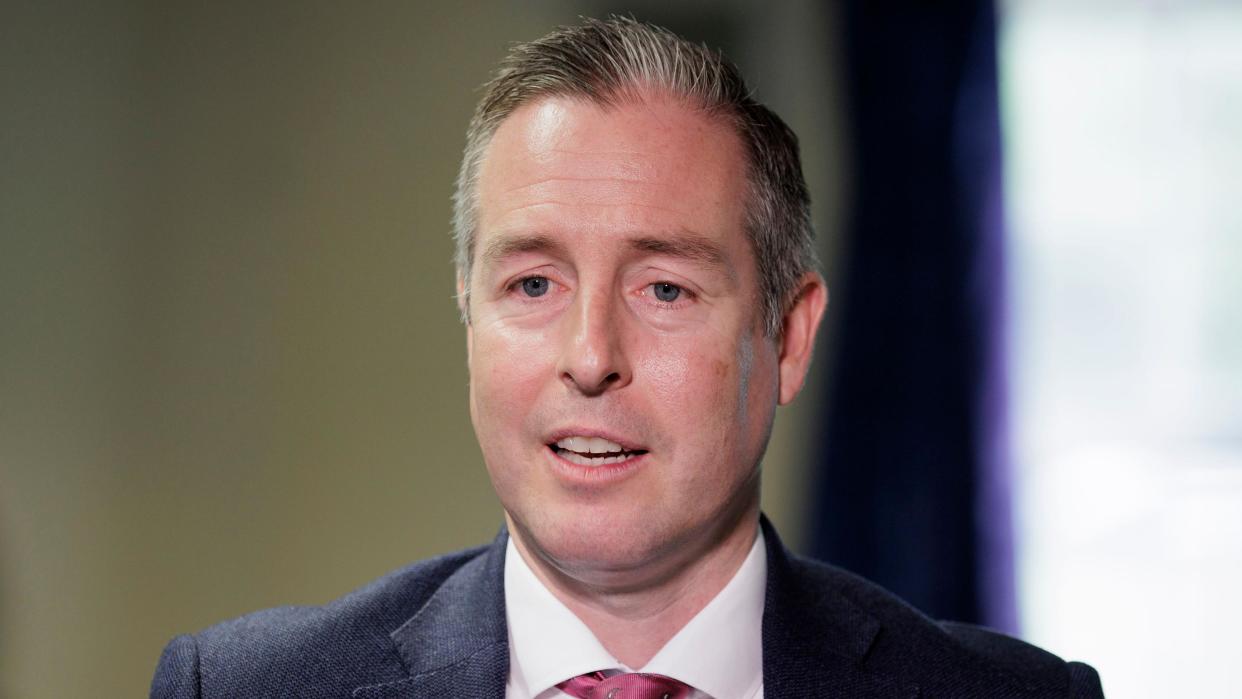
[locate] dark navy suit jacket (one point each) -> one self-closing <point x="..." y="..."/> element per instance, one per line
<point x="437" y="629"/>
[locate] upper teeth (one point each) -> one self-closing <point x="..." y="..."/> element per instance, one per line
<point x="589" y="445"/>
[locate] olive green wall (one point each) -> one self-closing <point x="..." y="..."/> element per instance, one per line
<point x="231" y="372"/>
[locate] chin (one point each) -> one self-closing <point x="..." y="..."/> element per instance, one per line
<point x="582" y="547"/>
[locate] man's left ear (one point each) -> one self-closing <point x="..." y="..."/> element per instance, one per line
<point x="797" y="341"/>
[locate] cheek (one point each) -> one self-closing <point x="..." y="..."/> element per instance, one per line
<point x="698" y="387"/>
<point x="666" y="366"/>
<point x="719" y="397"/>
<point x="507" y="369"/>
<point x="707" y="370"/>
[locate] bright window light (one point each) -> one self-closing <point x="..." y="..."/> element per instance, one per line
<point x="1123" y="127"/>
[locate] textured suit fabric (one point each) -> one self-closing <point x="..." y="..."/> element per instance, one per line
<point x="437" y="629"/>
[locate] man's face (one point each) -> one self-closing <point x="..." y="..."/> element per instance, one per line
<point x="615" y="310"/>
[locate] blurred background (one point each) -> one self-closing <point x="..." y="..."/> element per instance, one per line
<point x="232" y="374"/>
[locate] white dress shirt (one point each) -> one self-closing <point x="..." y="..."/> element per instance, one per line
<point x="719" y="652"/>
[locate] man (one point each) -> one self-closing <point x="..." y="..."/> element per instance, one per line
<point x="636" y="275"/>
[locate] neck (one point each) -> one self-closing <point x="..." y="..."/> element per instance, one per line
<point x="634" y="621"/>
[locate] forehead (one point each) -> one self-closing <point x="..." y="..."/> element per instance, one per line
<point x="570" y="168"/>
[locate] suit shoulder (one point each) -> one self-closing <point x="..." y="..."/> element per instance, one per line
<point x="950" y="658"/>
<point x="381" y="604"/>
<point x="332" y="645"/>
<point x="1025" y="660"/>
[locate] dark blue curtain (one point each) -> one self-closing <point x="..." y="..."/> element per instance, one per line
<point x="913" y="488"/>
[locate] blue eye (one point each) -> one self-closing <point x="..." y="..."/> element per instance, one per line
<point x="535" y="286"/>
<point x="666" y="292"/>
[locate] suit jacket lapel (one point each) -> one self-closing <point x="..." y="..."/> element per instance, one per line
<point x="458" y="643"/>
<point x="815" y="640"/>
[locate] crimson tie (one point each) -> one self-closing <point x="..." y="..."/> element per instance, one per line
<point x="633" y="685"/>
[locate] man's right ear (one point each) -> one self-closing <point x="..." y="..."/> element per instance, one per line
<point x="462" y="306"/>
<point x="461" y="299"/>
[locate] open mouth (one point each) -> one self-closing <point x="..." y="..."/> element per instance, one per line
<point x="593" y="451"/>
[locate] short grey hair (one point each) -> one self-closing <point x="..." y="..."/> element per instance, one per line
<point x="618" y="60"/>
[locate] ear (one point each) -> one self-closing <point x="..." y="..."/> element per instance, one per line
<point x="799" y="328"/>
<point x="461" y="306"/>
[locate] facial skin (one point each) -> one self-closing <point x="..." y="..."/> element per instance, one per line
<point x="614" y="294"/>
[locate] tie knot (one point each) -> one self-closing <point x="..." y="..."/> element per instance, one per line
<point x="631" y="685"/>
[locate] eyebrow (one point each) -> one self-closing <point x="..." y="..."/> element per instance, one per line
<point x="684" y="245"/>
<point x="506" y="246"/>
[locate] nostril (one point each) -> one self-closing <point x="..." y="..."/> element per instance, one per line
<point x="588" y="385"/>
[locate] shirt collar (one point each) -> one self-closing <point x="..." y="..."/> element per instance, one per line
<point x="720" y="650"/>
<point x="547" y="643"/>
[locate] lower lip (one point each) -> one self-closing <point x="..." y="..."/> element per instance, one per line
<point x="594" y="475"/>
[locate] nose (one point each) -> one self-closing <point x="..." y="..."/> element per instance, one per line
<point x="592" y="357"/>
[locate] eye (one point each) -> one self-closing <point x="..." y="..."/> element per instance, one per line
<point x="535" y="287"/>
<point x="666" y="292"/>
